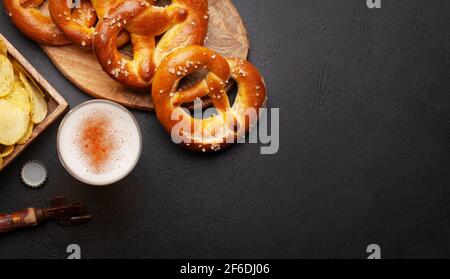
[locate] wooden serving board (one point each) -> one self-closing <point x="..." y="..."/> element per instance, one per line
<point x="227" y="35"/>
<point x="56" y="103"/>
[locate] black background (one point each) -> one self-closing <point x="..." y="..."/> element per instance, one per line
<point x="364" y="157"/>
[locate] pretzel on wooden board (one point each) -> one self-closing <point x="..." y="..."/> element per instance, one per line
<point x="81" y="32"/>
<point x="33" y="19"/>
<point x="182" y="23"/>
<point x="216" y="132"/>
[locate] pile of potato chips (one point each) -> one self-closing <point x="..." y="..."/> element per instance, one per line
<point x="22" y="104"/>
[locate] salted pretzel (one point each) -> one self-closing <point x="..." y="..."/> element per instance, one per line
<point x="80" y="32"/>
<point x="207" y="134"/>
<point x="33" y="19"/>
<point x="182" y="23"/>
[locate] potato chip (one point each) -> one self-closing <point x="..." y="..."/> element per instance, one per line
<point x="28" y="134"/>
<point x="38" y="103"/>
<point x="20" y="69"/>
<point x="6" y="150"/>
<point x="19" y="97"/>
<point x="3" y="49"/>
<point x="1" y="163"/>
<point x="13" y="122"/>
<point x="6" y="76"/>
<point x="17" y="67"/>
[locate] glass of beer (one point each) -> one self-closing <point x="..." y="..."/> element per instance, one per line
<point x="99" y="142"/>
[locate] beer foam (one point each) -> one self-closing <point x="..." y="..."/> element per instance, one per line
<point x="125" y="138"/>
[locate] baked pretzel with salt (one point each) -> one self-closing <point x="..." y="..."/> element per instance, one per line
<point x="182" y="23"/>
<point x="210" y="133"/>
<point x="81" y="32"/>
<point x="33" y="19"/>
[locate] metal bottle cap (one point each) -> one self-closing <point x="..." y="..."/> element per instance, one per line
<point x="34" y="174"/>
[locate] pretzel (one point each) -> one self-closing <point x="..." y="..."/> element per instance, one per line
<point x="102" y="7"/>
<point x="33" y="19"/>
<point x="231" y="123"/>
<point x="78" y="30"/>
<point x="81" y="30"/>
<point x="184" y="22"/>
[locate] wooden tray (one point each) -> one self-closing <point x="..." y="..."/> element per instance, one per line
<point x="227" y="35"/>
<point x="56" y="103"/>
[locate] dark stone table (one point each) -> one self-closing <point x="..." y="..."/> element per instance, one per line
<point x="364" y="150"/>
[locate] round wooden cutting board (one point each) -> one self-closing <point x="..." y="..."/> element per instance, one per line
<point x="227" y="35"/>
